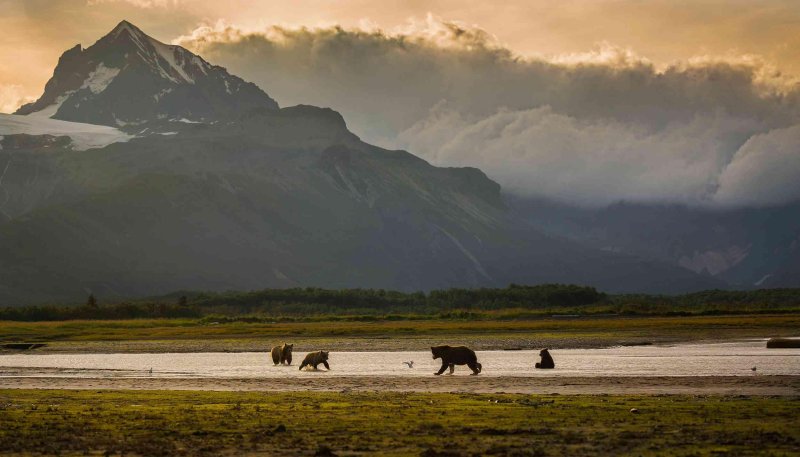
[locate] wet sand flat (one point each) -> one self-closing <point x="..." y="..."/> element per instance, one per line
<point x="727" y="368"/>
<point x="461" y="383"/>
<point x="737" y="358"/>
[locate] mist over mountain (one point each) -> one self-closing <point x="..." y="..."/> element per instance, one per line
<point x="211" y="185"/>
<point x="747" y="247"/>
<point x="694" y="163"/>
<point x="588" y="130"/>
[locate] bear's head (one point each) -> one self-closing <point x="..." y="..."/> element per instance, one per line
<point x="438" y="351"/>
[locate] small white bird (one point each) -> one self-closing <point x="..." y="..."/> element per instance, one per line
<point x="410" y="364"/>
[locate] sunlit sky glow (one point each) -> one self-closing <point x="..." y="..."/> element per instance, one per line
<point x="35" y="32"/>
<point x="587" y="101"/>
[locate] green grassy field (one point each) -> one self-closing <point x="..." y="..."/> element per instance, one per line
<point x="187" y="334"/>
<point x="214" y="423"/>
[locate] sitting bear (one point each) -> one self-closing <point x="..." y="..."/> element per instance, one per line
<point x="458" y="355"/>
<point x="282" y="354"/>
<point x="315" y="358"/>
<point x="547" y="360"/>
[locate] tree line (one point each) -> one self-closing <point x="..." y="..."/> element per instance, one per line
<point x="446" y="303"/>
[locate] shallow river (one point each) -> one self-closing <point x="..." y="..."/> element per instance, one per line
<point x="717" y="359"/>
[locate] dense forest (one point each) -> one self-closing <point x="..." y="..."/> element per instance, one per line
<point x="510" y="302"/>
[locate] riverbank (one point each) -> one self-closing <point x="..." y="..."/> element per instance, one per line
<point x="177" y="335"/>
<point x="650" y="385"/>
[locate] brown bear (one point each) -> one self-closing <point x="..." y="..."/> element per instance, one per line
<point x="282" y="354"/>
<point x="315" y="358"/>
<point x="547" y="360"/>
<point x="457" y="355"/>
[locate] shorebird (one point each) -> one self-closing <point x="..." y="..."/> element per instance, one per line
<point x="410" y="364"/>
<point x="754" y="369"/>
<point x="151" y="371"/>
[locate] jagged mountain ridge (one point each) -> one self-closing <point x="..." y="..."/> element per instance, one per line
<point x="254" y="196"/>
<point x="128" y="77"/>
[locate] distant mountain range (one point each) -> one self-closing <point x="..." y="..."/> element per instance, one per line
<point x="144" y="169"/>
<point x="745" y="247"/>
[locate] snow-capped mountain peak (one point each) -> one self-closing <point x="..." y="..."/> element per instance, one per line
<point x="171" y="62"/>
<point x="126" y="27"/>
<point x="128" y="77"/>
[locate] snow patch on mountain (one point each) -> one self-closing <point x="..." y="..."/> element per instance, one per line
<point x="51" y="110"/>
<point x="200" y="63"/>
<point x="158" y="96"/>
<point x="761" y="281"/>
<point x="99" y="79"/>
<point x="84" y="136"/>
<point x="715" y="262"/>
<point x="168" y="54"/>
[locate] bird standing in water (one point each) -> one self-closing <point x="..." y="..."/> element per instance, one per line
<point x="410" y="364"/>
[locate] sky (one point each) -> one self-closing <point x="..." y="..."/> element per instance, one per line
<point x="590" y="102"/>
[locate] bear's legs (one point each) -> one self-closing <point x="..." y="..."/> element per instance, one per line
<point x="441" y="370"/>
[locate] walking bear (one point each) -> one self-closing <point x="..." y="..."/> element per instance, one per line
<point x="282" y="354"/>
<point x="315" y="358"/>
<point x="547" y="360"/>
<point x="457" y="355"/>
